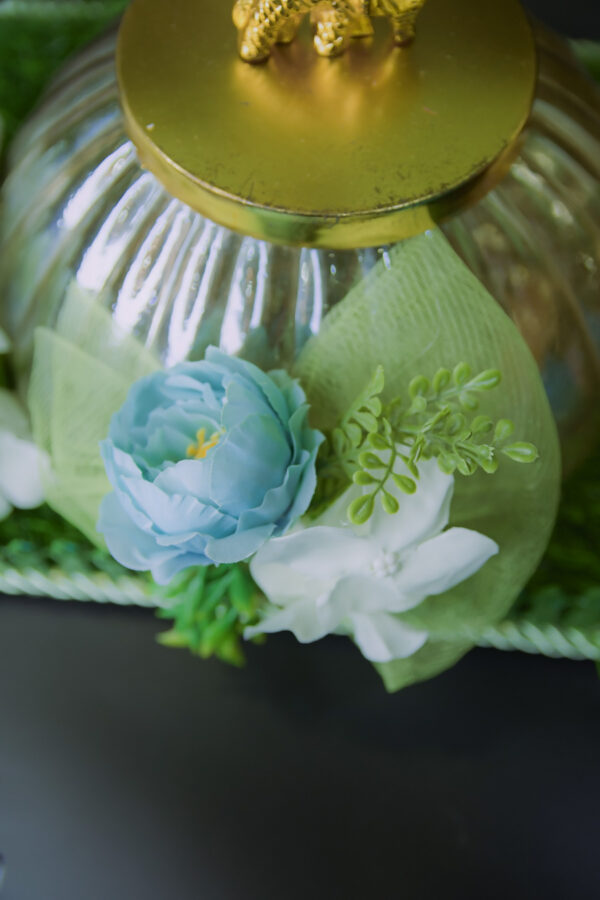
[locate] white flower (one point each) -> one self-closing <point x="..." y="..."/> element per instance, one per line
<point x="21" y="462"/>
<point x="335" y="577"/>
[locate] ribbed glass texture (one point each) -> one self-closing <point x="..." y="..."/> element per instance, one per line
<point x="77" y="206"/>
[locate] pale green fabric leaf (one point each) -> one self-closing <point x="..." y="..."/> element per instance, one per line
<point x="82" y="371"/>
<point x="435" y="657"/>
<point x="420" y="310"/>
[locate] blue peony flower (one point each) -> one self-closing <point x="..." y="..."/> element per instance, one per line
<point x="208" y="461"/>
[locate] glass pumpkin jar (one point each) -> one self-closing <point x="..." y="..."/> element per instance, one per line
<point x="79" y="207"/>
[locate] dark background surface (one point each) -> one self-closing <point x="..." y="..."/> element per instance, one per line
<point x="576" y="18"/>
<point x="128" y="771"/>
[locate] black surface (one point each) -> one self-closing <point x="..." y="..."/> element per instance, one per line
<point x="577" y="18"/>
<point x="128" y="771"/>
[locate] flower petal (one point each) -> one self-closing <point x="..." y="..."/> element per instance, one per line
<point x="308" y="562"/>
<point x="129" y="545"/>
<point x="21" y="469"/>
<point x="422" y="514"/>
<point x="382" y="637"/>
<point x="251" y="458"/>
<point x="248" y="371"/>
<point x="441" y="563"/>
<point x="362" y="593"/>
<point x="236" y="547"/>
<point x="188" y="476"/>
<point x="308" y="621"/>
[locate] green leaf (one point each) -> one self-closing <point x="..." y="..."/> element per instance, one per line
<point x="175" y="639"/>
<point x="374" y="406"/>
<point x="354" y="434"/>
<point x="361" y="509"/>
<point x="486" y="381"/>
<point x="432" y="423"/>
<point x="468" y="401"/>
<point x="411" y="466"/>
<point x="240" y="592"/>
<point x="447" y="464"/>
<point x="367" y="421"/>
<point x="504" y="430"/>
<point x="487" y="459"/>
<point x="455" y="423"/>
<point x="377" y="383"/>
<point x="369" y="460"/>
<point x="419" y="405"/>
<point x="339" y="441"/>
<point x="214" y="604"/>
<point x="418" y="387"/>
<point x="441" y="380"/>
<point x="466" y="466"/>
<point x="521" y="452"/>
<point x="363" y="478"/>
<point x="406" y="484"/>
<point x="481" y="425"/>
<point x="461" y="374"/>
<point x="379" y="442"/>
<point x="389" y="503"/>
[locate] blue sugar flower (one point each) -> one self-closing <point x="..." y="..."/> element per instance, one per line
<point x="208" y="461"/>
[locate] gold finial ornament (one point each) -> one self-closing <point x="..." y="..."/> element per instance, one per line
<point x="263" y="23"/>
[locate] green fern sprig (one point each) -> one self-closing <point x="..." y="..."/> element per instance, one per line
<point x="438" y="420"/>
<point x="439" y="423"/>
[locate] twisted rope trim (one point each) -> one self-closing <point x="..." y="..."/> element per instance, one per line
<point x="544" y="639"/>
<point x="97" y="587"/>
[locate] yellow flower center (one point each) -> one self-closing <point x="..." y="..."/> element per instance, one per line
<point x="202" y="446"/>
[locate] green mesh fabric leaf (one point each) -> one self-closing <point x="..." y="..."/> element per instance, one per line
<point x="82" y="371"/>
<point x="419" y="310"/>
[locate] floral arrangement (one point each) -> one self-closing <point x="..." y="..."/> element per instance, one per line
<point x="398" y="486"/>
<point x="214" y="464"/>
<point x="385" y="505"/>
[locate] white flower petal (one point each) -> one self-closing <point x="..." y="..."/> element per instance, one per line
<point x="333" y="577"/>
<point x="362" y="593"/>
<point x="441" y="563"/>
<point x="382" y="638"/>
<point x="21" y="468"/>
<point x="308" y="563"/>
<point x="422" y="514"/>
<point x="307" y="619"/>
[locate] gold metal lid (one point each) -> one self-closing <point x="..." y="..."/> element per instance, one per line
<point x="360" y="150"/>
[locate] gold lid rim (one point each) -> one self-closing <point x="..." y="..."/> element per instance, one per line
<point x="345" y="231"/>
